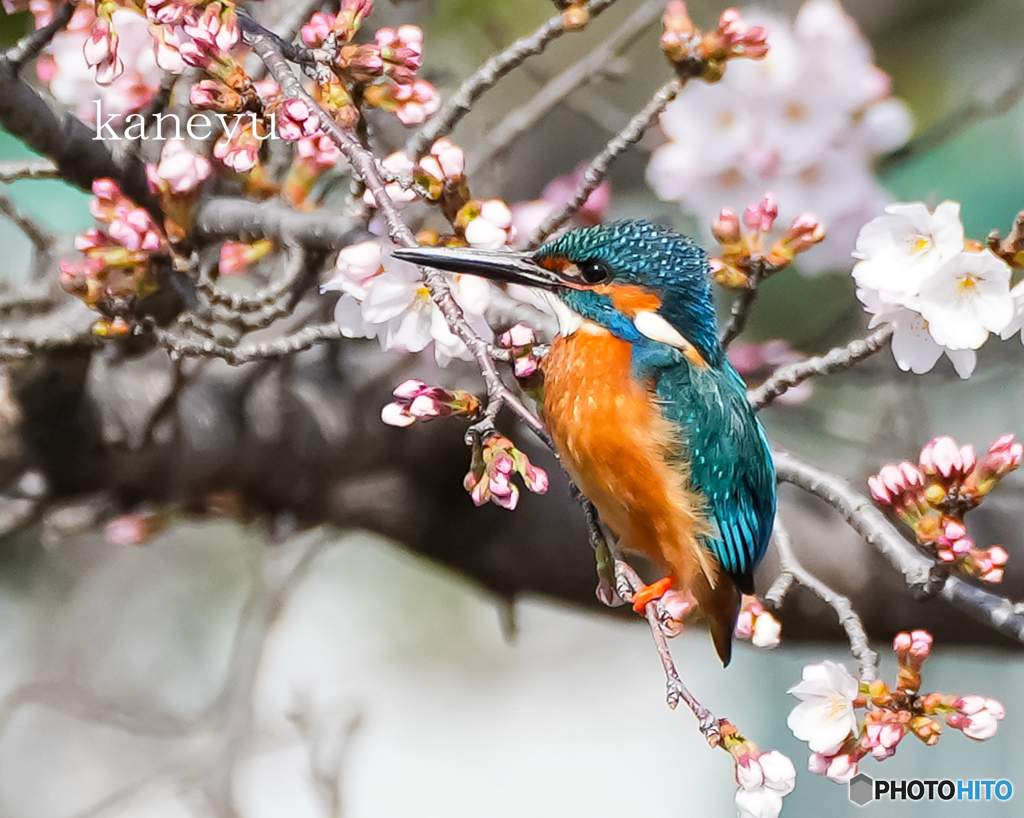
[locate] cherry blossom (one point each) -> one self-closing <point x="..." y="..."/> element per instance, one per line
<point x="967" y="298"/>
<point x="915" y="275"/>
<point x="825" y="716"/>
<point x="978" y="717"/>
<point x="394" y="306"/>
<point x="803" y="122"/>
<point x="899" y="250"/>
<point x="763" y="781"/>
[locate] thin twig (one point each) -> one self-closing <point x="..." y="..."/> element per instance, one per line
<point x="590" y="68"/>
<point x="786" y="377"/>
<point x="792" y="569"/>
<point x="488" y="74"/>
<point x="298" y="341"/>
<point x="628" y="583"/>
<point x="30" y="169"/>
<point x="997" y="612"/>
<point x="598" y="167"/>
<point x="742" y="305"/>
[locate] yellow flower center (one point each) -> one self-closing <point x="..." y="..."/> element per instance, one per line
<point x="919" y="242"/>
<point x="837" y="707"/>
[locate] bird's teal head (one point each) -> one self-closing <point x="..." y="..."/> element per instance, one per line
<point x="631" y="277"/>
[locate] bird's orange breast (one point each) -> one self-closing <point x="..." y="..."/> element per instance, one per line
<point x="623" y="453"/>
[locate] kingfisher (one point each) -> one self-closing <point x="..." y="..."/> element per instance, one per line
<point x="647" y="415"/>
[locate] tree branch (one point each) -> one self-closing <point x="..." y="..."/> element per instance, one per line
<point x="627" y="584"/>
<point x="30" y="169"/>
<point x="53" y="132"/>
<point x="366" y="167"/>
<point x="997" y="612"/>
<point x="791" y="569"/>
<point x="599" y="165"/>
<point x="786" y="377"/>
<point x="29" y="47"/>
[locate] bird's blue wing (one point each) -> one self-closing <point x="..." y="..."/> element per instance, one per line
<point x="729" y="458"/>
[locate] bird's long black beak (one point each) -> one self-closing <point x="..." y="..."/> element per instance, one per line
<point x="499" y="265"/>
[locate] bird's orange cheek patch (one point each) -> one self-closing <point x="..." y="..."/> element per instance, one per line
<point x="629" y="299"/>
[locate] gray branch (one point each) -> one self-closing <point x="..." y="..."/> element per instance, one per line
<point x="994" y="611"/>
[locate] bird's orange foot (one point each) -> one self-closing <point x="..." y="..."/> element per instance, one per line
<point x="649" y="593"/>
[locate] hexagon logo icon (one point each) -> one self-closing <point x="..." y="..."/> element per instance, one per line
<point x="862" y="789"/>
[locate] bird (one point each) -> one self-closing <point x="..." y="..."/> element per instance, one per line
<point x="646" y="413"/>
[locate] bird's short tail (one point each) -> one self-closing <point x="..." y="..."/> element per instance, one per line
<point x="721" y="607"/>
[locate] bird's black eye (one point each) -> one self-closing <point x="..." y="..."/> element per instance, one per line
<point x="594" y="271"/>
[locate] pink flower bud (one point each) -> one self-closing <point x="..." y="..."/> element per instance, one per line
<point x="396" y="414"/>
<point x="726" y="228"/>
<point x="409" y="389"/>
<point x="520" y="335"/>
<point x="941" y="456"/>
<point x="997" y="554"/>
<point x="879" y="491"/>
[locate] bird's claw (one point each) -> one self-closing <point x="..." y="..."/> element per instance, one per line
<point x="649" y="593"/>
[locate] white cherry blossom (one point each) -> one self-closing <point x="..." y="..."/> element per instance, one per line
<point x="905" y="246"/>
<point x="805" y="123"/>
<point x="384" y="298"/>
<point x="967" y="298"/>
<point x="763" y="782"/>
<point x="825" y="716"/>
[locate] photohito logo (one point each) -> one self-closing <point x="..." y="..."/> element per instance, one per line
<point x="864" y="789"/>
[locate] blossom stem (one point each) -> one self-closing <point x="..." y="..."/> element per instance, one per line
<point x="599" y="165"/>
<point x="786" y="377"/>
<point x="791" y="570"/>
<point x="488" y="74"/>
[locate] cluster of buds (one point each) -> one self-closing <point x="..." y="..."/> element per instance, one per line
<point x="417" y="401"/>
<point x="744" y="261"/>
<point x="100" y="48"/>
<point x="118" y="265"/>
<point x="494" y="463"/>
<point x="439" y="178"/>
<point x="486" y="224"/>
<point x="827" y="719"/>
<point x="704" y="54"/>
<point x="176" y="178"/>
<point x="197" y="34"/>
<point x="763" y="778"/>
<point x="384" y="73"/>
<point x="526" y="357"/>
<point x="757" y="624"/>
<point x="933" y="496"/>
